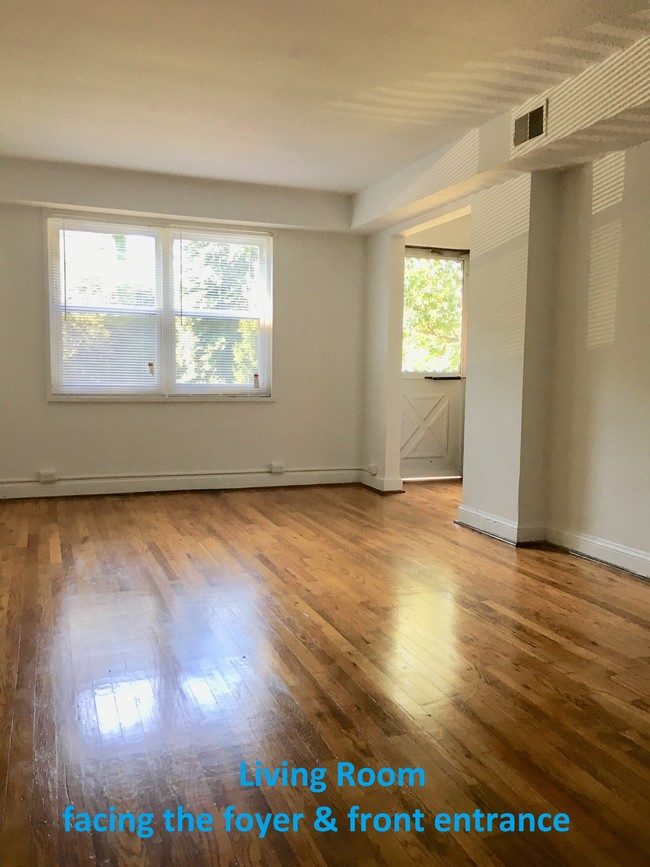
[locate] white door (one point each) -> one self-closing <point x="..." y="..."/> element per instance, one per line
<point x="432" y="424"/>
<point x="432" y="364"/>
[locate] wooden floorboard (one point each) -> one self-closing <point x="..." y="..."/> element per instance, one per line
<point x="150" y="644"/>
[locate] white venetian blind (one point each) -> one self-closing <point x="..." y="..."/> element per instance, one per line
<point x="105" y="306"/>
<point x="222" y="311"/>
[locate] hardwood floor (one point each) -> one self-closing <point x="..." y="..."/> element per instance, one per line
<point x="152" y="643"/>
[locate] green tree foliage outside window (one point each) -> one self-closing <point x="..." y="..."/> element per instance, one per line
<point x="215" y="277"/>
<point x="433" y="300"/>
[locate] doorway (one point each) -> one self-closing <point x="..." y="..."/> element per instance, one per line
<point x="433" y="384"/>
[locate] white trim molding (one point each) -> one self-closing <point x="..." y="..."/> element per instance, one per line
<point x="142" y="483"/>
<point x="611" y="553"/>
<point x="380" y="483"/>
<point x="500" y="528"/>
<point x="528" y="533"/>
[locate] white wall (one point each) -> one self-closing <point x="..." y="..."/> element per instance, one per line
<point x="496" y="321"/>
<point x="600" y="455"/>
<point x="452" y="235"/>
<point x="557" y="431"/>
<point x="314" y="422"/>
<point x="122" y="191"/>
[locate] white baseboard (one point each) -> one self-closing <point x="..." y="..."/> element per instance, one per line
<point x="530" y="533"/>
<point x="500" y="528"/>
<point x="621" y="556"/>
<point x="612" y="553"/>
<point x="379" y="483"/>
<point x="134" y="484"/>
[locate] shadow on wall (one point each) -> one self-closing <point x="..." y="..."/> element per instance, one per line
<point x="597" y="291"/>
<point x="608" y="180"/>
<point x="499" y="261"/>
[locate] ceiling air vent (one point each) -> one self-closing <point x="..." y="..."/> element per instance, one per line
<point x="530" y="125"/>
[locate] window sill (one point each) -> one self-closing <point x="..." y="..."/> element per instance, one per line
<point x="159" y="398"/>
<point x="409" y="374"/>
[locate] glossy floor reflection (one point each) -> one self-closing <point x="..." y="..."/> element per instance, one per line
<point x="151" y="643"/>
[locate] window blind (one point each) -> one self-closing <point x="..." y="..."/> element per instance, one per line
<point x="159" y="310"/>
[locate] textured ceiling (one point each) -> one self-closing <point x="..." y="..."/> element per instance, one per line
<point x="328" y="94"/>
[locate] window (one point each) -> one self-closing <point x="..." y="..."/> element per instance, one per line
<point x="159" y="311"/>
<point x="433" y="306"/>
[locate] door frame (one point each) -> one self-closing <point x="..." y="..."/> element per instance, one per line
<point x="463" y="256"/>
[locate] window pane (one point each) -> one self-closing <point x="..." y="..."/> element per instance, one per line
<point x="215" y="275"/>
<point x="109" y="351"/>
<point x="217" y="351"/>
<point x="432" y="315"/>
<point x="107" y="270"/>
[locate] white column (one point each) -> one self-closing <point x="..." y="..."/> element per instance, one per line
<point x="383" y="352"/>
<point x="509" y="328"/>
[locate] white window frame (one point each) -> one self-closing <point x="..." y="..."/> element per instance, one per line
<point x="165" y="233"/>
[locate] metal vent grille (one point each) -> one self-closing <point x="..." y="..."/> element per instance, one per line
<point x="530" y="125"/>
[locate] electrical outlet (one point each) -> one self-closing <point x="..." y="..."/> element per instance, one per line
<point x="276" y="467"/>
<point x="47" y="477"/>
<point x="373" y="469"/>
